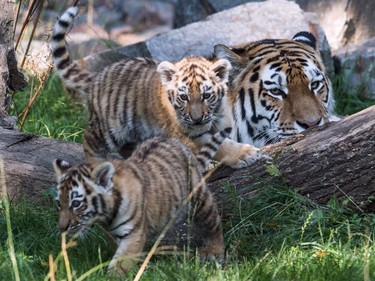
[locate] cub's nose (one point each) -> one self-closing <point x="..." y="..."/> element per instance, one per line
<point x="197" y="120"/>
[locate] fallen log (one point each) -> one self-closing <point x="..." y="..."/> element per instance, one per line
<point x="333" y="160"/>
<point x="28" y="162"/>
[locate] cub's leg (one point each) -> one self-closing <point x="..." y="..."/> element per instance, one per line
<point x="94" y="145"/>
<point x="208" y="220"/>
<point x="128" y="251"/>
<point x="232" y="153"/>
<point x="237" y="155"/>
<point x="98" y="145"/>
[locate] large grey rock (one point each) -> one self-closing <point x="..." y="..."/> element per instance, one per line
<point x="357" y="64"/>
<point x="242" y="24"/>
<point x="344" y="21"/>
<point x="195" y="10"/>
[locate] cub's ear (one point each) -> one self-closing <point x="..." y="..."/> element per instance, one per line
<point x="60" y="167"/>
<point x="102" y="175"/>
<point x="305" y="37"/>
<point x="166" y="70"/>
<point x="221" y="69"/>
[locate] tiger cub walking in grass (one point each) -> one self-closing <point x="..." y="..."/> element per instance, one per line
<point x="139" y="98"/>
<point x="137" y="197"/>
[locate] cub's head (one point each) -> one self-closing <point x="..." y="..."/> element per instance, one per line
<point x="197" y="89"/>
<point x="279" y="88"/>
<point x="81" y="193"/>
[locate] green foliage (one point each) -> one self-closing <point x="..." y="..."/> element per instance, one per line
<point x="349" y="100"/>
<point x="53" y="114"/>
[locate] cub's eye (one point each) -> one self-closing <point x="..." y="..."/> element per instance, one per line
<point x="58" y="203"/>
<point x="277" y="92"/>
<point x="184" y="97"/>
<point x="206" y="96"/>
<point x="315" y="85"/>
<point x="76" y="203"/>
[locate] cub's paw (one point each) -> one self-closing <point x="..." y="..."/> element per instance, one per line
<point x="244" y="156"/>
<point x="212" y="254"/>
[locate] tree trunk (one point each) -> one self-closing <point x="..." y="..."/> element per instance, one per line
<point x="10" y="78"/>
<point x="334" y="160"/>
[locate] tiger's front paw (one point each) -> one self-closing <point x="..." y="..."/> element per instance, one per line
<point x="245" y="155"/>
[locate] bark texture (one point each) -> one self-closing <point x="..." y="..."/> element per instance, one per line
<point x="10" y="78"/>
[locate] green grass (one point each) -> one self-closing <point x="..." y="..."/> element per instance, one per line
<point x="349" y="100"/>
<point x="278" y="235"/>
<point x="53" y="114"/>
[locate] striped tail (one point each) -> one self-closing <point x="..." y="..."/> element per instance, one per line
<point x="208" y="151"/>
<point x="70" y="72"/>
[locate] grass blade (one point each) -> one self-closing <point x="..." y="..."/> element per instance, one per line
<point x="4" y="194"/>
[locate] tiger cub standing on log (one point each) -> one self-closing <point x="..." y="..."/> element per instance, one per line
<point x="137" y="197"/>
<point x="278" y="88"/>
<point x="139" y="98"/>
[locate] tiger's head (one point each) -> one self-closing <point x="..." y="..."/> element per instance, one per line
<point x="197" y="89"/>
<point x="278" y="88"/>
<point x="81" y="195"/>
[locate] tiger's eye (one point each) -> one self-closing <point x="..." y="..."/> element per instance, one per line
<point x="184" y="97"/>
<point x="206" y="96"/>
<point x="314" y="85"/>
<point x="276" y="92"/>
<point x="76" y="204"/>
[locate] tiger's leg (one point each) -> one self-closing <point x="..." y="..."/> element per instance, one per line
<point x="232" y="153"/>
<point x="208" y="220"/>
<point x="94" y="145"/>
<point x="238" y="155"/>
<point x="128" y="251"/>
<point x="98" y="146"/>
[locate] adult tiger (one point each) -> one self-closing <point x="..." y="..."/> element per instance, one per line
<point x="278" y="88"/>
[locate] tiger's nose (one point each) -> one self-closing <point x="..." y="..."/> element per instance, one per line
<point x="63" y="228"/>
<point x="307" y="123"/>
<point x="197" y="120"/>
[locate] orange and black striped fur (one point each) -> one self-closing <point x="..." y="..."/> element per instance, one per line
<point x="278" y="88"/>
<point x="135" y="198"/>
<point x="139" y="98"/>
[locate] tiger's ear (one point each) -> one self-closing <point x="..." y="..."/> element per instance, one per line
<point x="102" y="175"/>
<point x="60" y="167"/>
<point x="305" y="38"/>
<point x="221" y="69"/>
<point x="166" y="70"/>
<point x="234" y="56"/>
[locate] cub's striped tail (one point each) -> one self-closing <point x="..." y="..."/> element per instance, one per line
<point x="70" y="72"/>
<point x="208" y="151"/>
